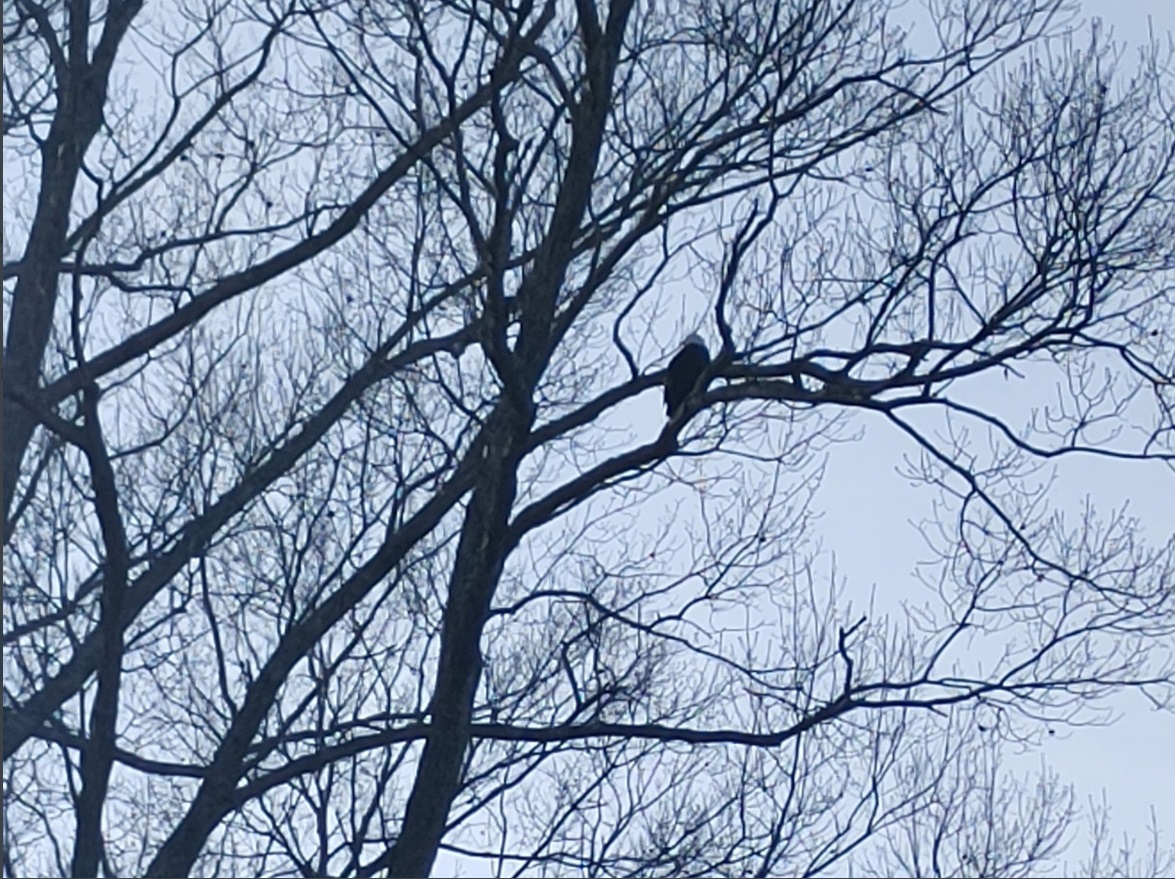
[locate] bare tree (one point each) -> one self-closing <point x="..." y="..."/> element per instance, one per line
<point x="338" y="536"/>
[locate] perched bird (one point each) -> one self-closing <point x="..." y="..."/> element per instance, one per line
<point x="685" y="369"/>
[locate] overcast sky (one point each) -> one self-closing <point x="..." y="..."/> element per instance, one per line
<point x="868" y="514"/>
<point x="868" y="509"/>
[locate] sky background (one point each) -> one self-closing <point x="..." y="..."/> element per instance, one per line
<point x="869" y="510"/>
<point x="869" y="523"/>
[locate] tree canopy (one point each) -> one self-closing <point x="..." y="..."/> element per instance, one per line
<point x="344" y="534"/>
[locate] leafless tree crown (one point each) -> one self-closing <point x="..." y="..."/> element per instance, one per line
<point x="344" y="536"/>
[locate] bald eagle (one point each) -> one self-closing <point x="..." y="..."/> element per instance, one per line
<point x="685" y="369"/>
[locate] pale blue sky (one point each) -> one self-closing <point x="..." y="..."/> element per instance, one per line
<point x="1131" y="761"/>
